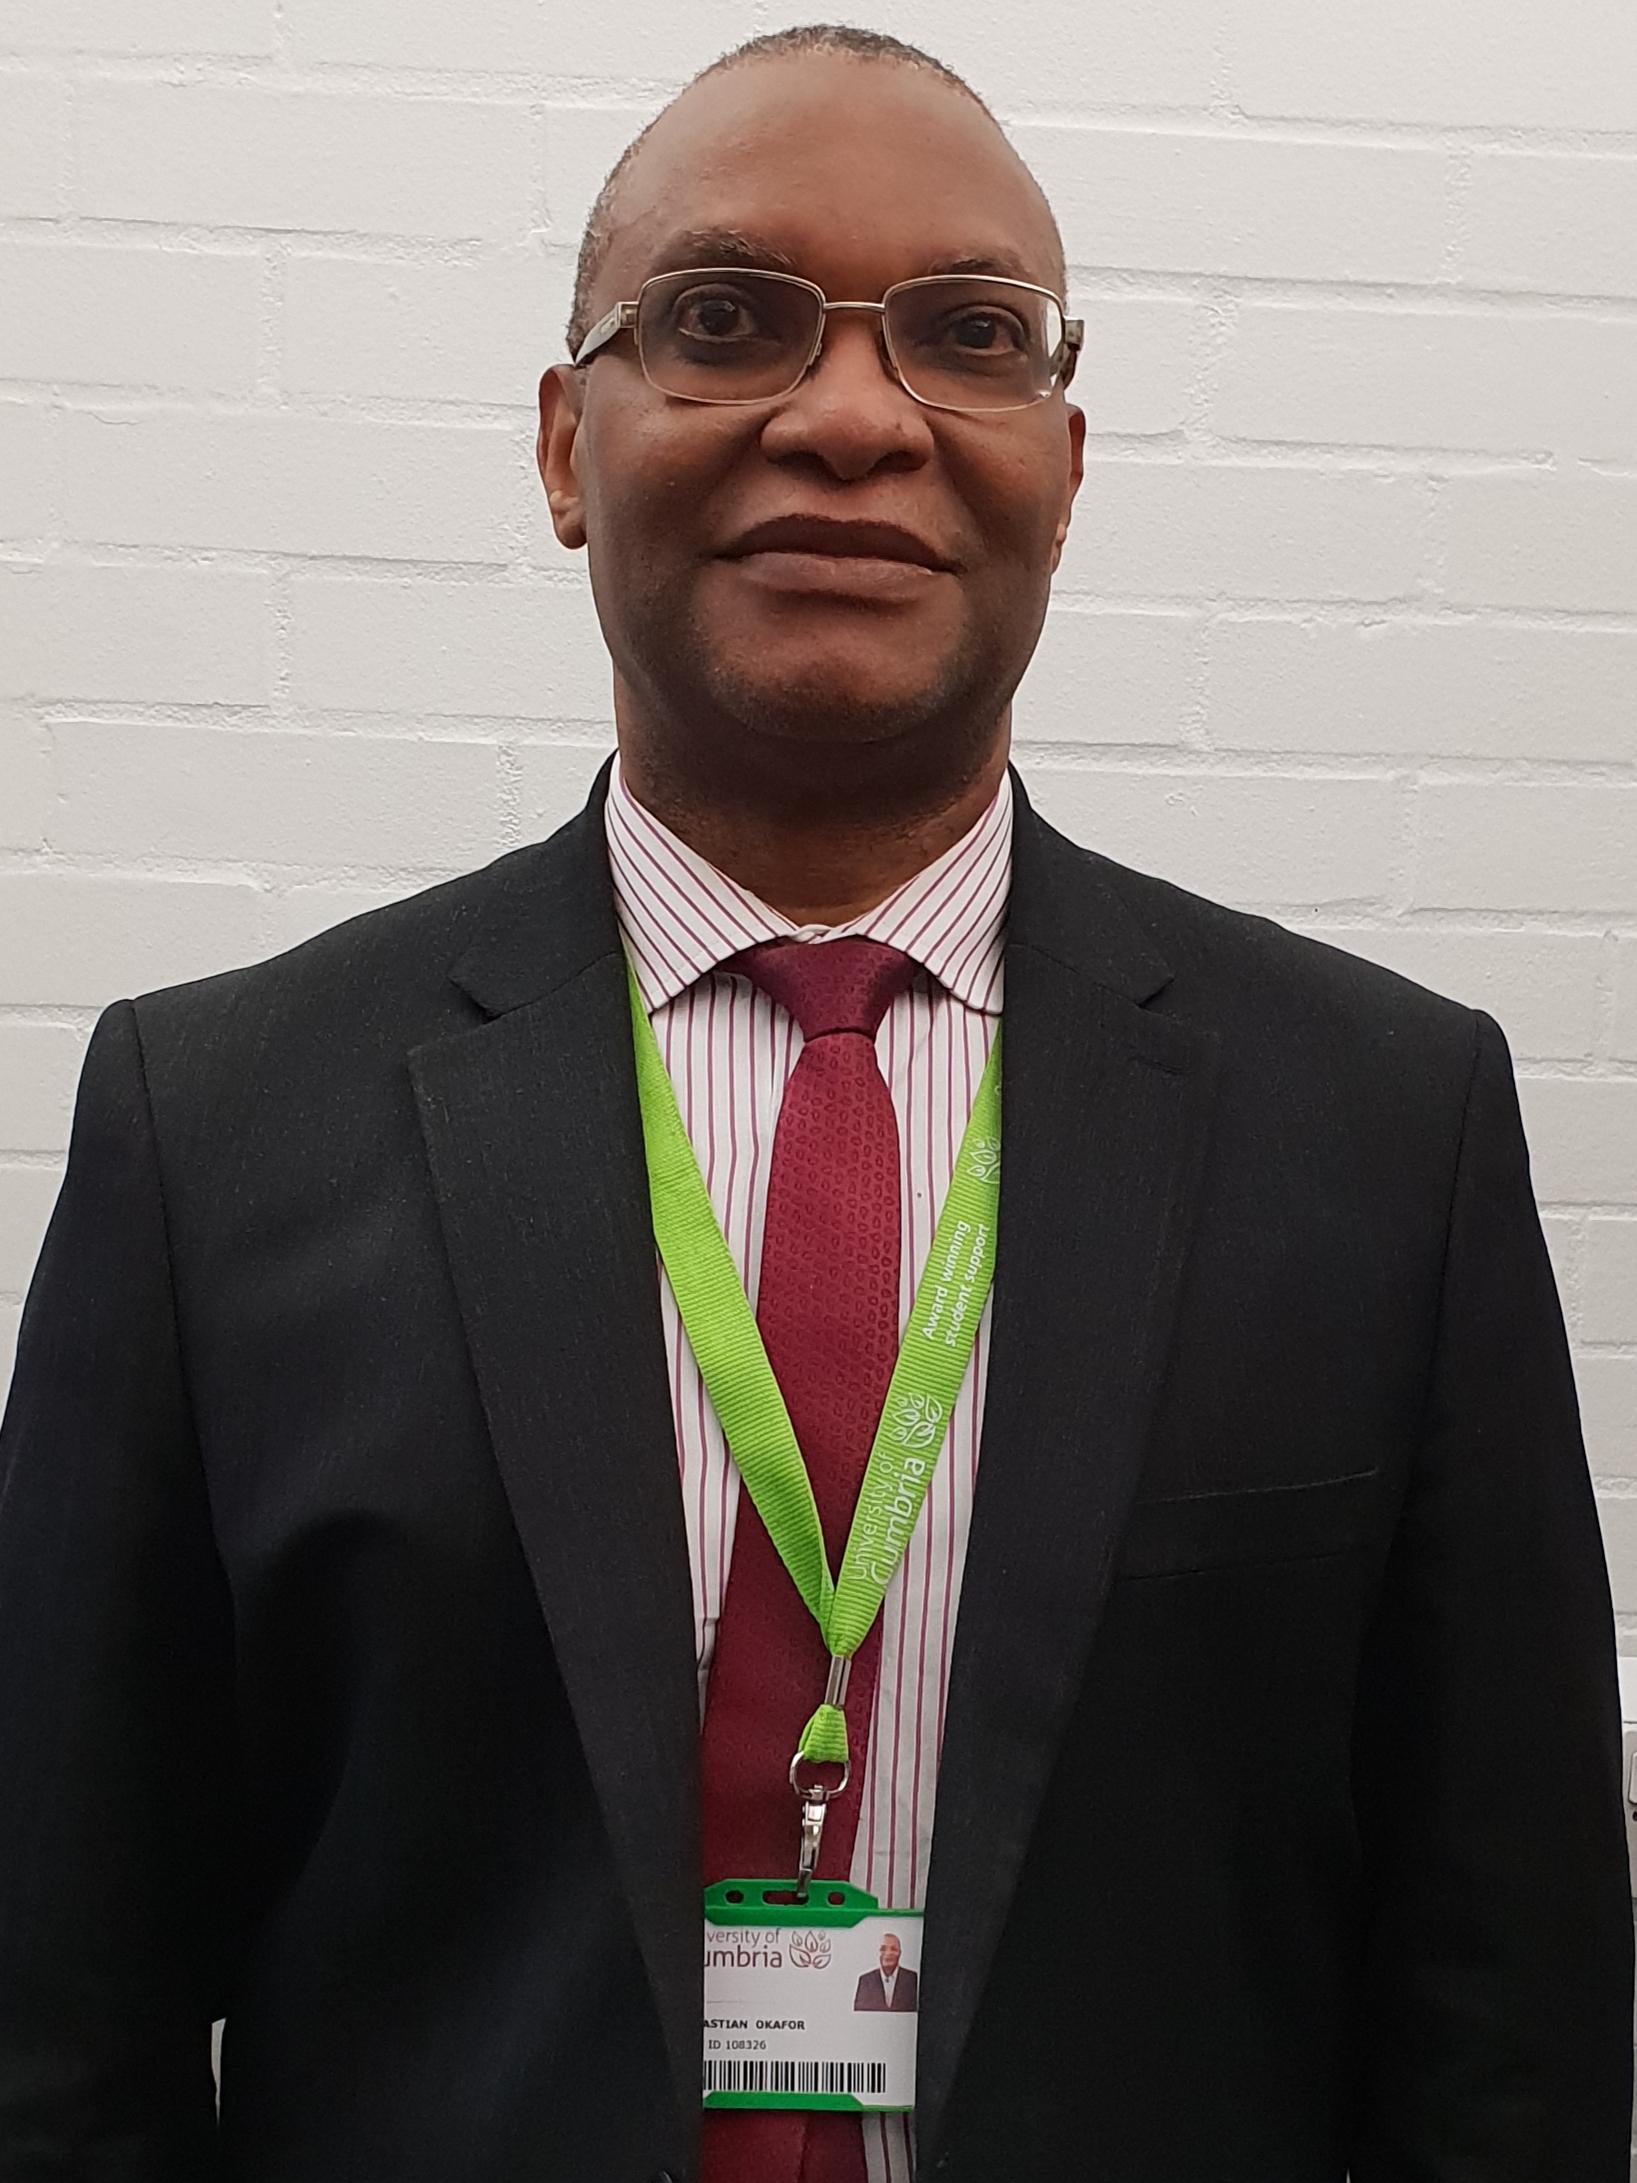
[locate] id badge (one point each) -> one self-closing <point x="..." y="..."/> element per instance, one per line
<point x="809" y="2004"/>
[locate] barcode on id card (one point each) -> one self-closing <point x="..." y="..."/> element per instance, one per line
<point x="864" y="2080"/>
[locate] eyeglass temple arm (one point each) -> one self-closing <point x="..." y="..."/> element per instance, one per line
<point x="611" y="323"/>
<point x="1074" y="336"/>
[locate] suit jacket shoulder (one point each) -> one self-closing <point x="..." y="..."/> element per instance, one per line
<point x="326" y="1025"/>
<point x="1247" y="966"/>
<point x="387" y="967"/>
<point x="1349" y="1043"/>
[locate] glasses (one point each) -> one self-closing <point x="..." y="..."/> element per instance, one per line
<point x="953" y="340"/>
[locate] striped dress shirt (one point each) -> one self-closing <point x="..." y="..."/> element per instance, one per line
<point x="730" y="1051"/>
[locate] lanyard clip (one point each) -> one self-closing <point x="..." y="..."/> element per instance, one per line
<point x="812" y="1834"/>
<point x="815" y="1801"/>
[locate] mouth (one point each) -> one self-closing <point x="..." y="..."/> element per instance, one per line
<point x="830" y="538"/>
<point x="823" y="557"/>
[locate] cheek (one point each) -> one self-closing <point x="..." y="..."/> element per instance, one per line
<point x="1015" y="487"/>
<point x="1014" y="504"/>
<point x="655" y="475"/>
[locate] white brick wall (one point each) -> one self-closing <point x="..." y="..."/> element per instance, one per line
<point x="1346" y="630"/>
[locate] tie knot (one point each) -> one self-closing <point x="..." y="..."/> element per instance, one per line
<point x="828" y="985"/>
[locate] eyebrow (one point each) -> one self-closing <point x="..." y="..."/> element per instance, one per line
<point x="1004" y="264"/>
<point x="720" y="246"/>
<point x="733" y="246"/>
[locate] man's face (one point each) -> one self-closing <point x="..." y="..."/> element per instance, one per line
<point x="855" y="176"/>
<point x="890" y="1952"/>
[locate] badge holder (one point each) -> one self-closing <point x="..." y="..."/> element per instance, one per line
<point x="796" y="2007"/>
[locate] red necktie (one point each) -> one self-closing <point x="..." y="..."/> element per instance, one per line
<point x="827" y="1308"/>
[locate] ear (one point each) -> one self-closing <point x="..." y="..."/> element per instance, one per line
<point x="562" y="392"/>
<point x="1077" y="469"/>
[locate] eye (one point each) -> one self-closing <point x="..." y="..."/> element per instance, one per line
<point x="715" y="315"/>
<point x="985" y="332"/>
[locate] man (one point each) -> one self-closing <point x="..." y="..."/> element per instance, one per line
<point x="1242" y="1710"/>
<point x="890" y="1987"/>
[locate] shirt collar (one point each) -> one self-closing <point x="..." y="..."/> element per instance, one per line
<point x="680" y="917"/>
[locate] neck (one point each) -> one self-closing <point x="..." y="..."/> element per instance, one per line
<point x="815" y="864"/>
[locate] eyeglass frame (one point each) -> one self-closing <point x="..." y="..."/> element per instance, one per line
<point x="621" y="316"/>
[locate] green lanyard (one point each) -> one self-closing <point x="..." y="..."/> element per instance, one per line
<point x="727" y="1347"/>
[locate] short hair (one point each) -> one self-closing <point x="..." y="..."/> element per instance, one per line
<point x="861" y="45"/>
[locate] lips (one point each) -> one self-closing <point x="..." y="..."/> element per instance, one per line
<point x="830" y="536"/>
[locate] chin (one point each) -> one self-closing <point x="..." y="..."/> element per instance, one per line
<point x="837" y="700"/>
<point x="831" y="713"/>
<point x="865" y="697"/>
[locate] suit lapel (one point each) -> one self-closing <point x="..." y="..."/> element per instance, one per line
<point x="534" y="1139"/>
<point x="1105" y="1109"/>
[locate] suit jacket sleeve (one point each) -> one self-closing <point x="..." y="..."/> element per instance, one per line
<point x="1495" y="2036"/>
<point x="115" y="1687"/>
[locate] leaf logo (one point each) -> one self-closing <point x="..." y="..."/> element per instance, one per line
<point x="918" y="1421"/>
<point x="810" y="1951"/>
<point x="985" y="1159"/>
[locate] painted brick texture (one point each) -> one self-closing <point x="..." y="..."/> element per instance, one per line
<point x="1346" y="630"/>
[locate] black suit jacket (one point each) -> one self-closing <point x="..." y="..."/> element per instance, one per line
<point x="872" y="1994"/>
<point x="346" y="1654"/>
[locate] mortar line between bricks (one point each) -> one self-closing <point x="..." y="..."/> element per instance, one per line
<point x="1411" y="299"/>
<point x="1170" y="756"/>
<point x="342" y="724"/>
<point x="1360" y="133"/>
<point x="510" y="781"/>
<point x="1224" y="761"/>
<point x="1184" y="447"/>
<point x="1338" y="613"/>
<point x="1404" y="608"/>
<point x="267" y="561"/>
<point x="1572" y="923"/>
<point x="1368" y="917"/>
<point x="1085" y="275"/>
<point x="1406" y="611"/>
<point x="1606" y="995"/>
<point x="1601" y="1070"/>
<point x="1191" y="446"/>
<point x="1170" y="759"/>
<point x="1458" y="172"/>
<point x="381" y="246"/>
<point x="1434" y="527"/>
<point x="244" y="875"/>
<point x="1221" y="118"/>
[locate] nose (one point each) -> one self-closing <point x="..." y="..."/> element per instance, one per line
<point x="850" y="413"/>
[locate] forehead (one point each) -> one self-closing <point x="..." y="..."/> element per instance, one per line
<point x="854" y="173"/>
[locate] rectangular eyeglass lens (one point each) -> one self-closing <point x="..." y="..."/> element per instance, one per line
<point x="725" y="335"/>
<point x="969" y="343"/>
